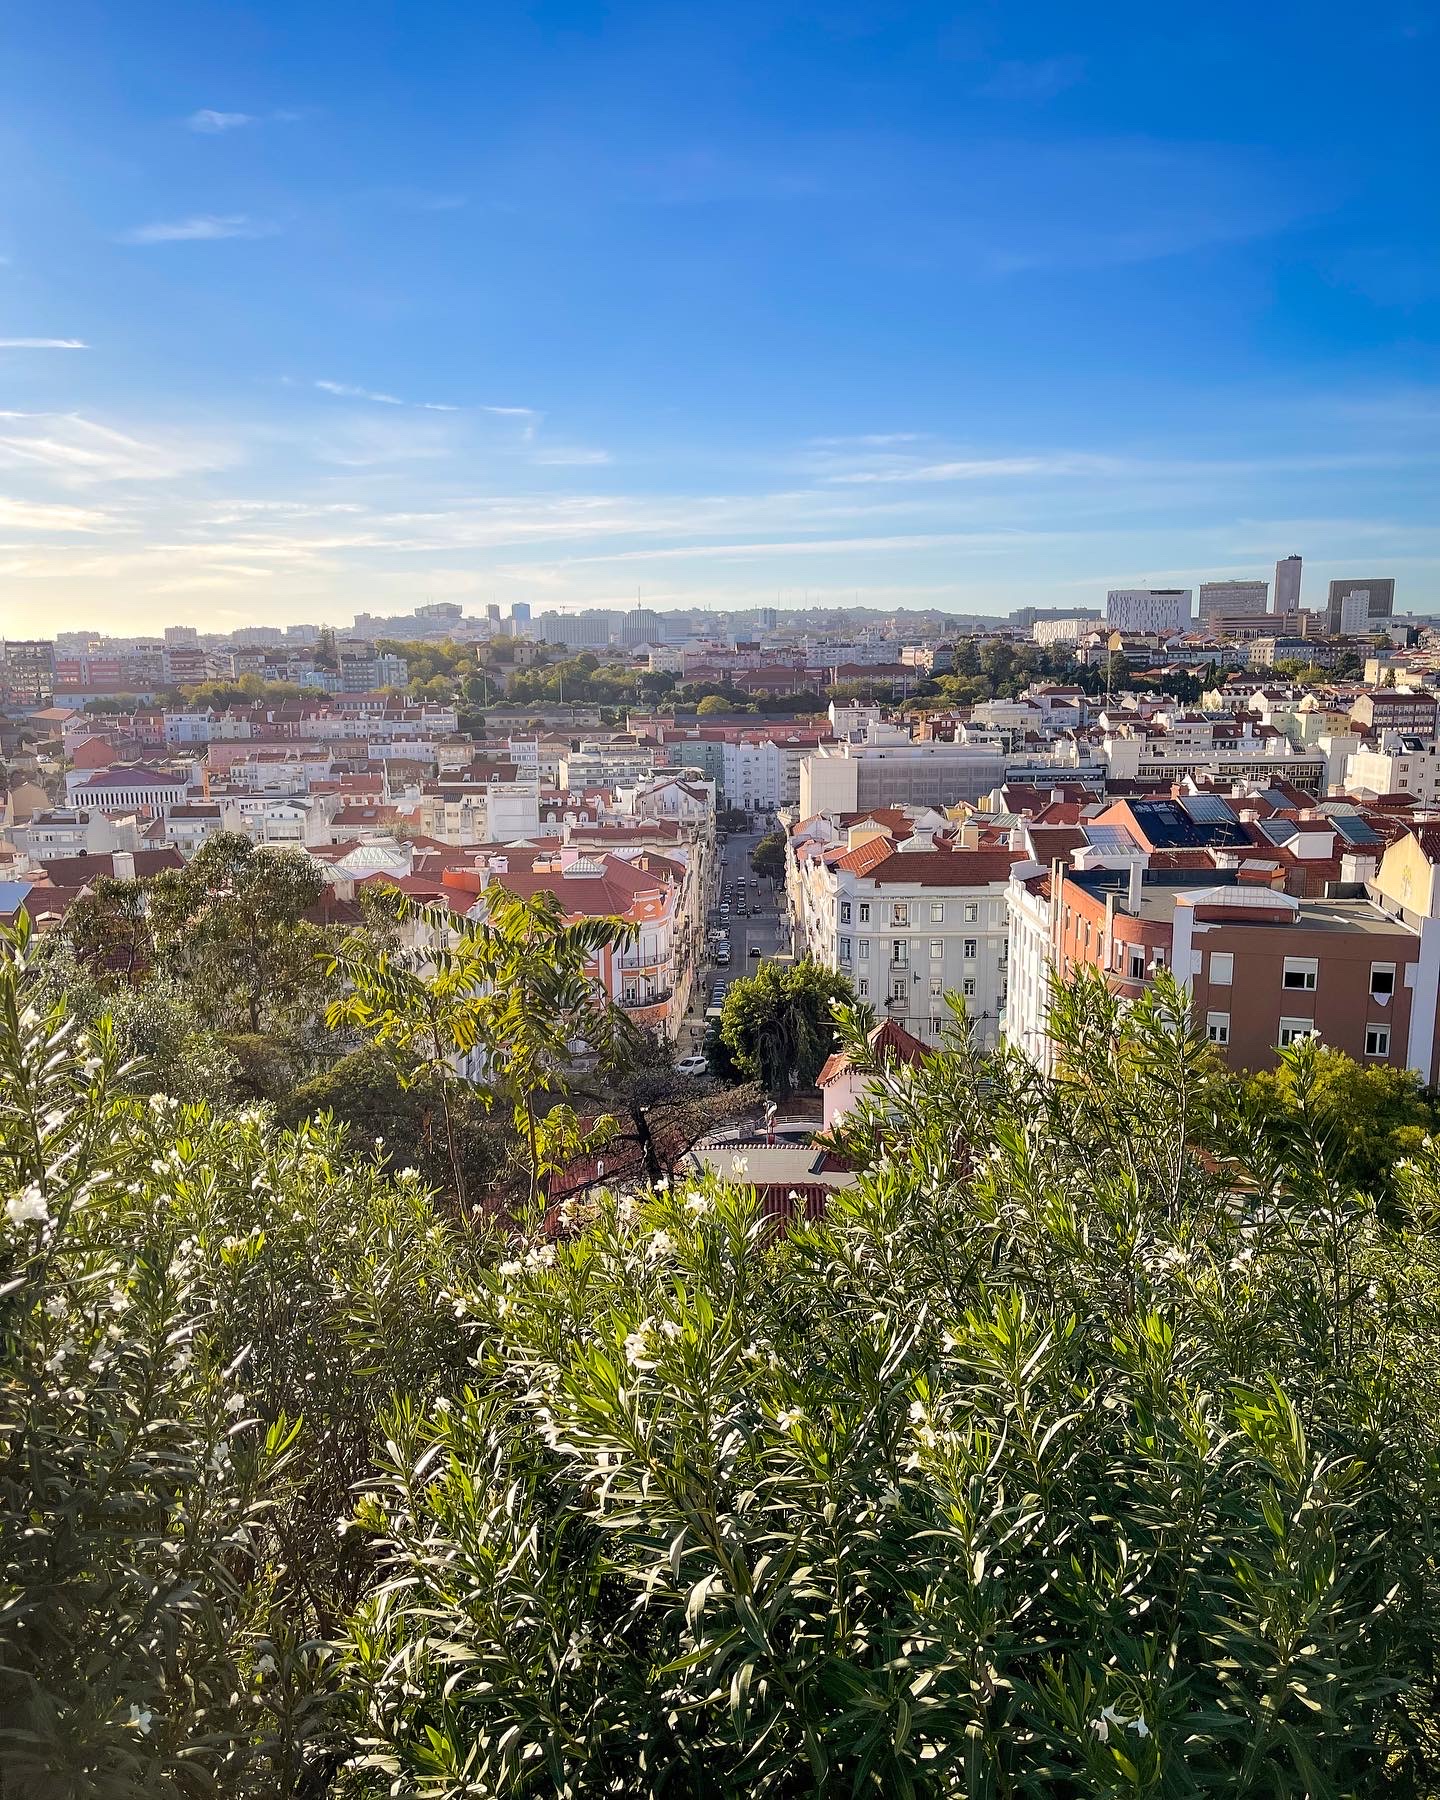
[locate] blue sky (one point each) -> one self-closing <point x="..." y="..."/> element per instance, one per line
<point x="307" y="309"/>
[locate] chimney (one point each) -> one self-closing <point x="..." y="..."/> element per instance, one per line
<point x="969" y="837"/>
<point x="1137" y="877"/>
<point x="123" y="865"/>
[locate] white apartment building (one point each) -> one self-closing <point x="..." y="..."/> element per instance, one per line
<point x="840" y="778"/>
<point x="765" y="775"/>
<point x="1141" y="611"/>
<point x="1060" y="631"/>
<point x="289" y="821"/>
<point x="910" y="924"/>
<point x="73" y="831"/>
<point x="602" y="765"/>
<point x="1398" y="764"/>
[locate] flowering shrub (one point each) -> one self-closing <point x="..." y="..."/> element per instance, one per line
<point x="1063" y="1457"/>
<point x="199" y="1318"/>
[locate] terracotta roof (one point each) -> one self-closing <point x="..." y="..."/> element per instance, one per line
<point x="1049" y="841"/>
<point x="945" y="868"/>
<point x="888" y="1042"/>
<point x="864" y="857"/>
<point x="67" y="871"/>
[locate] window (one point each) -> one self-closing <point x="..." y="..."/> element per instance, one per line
<point x="1222" y="968"/>
<point x="1300" y="974"/>
<point x="899" y="952"/>
<point x="844" y="949"/>
<point x="937" y="949"/>
<point x="897" y="988"/>
<point x="1292" y="1030"/>
<point x="937" y="1026"/>
<point x="937" y="912"/>
<point x="972" y="911"/>
<point x="862" y="986"/>
<point x="1377" y="1040"/>
<point x="1217" y="1027"/>
<point x="864" y="949"/>
<point x="969" y="989"/>
<point x="899" y="912"/>
<point x="864" y="912"/>
<point x="1382" y="982"/>
<point x="937" y="986"/>
<point x="844" y="912"/>
<point x="969" y="949"/>
<point x="1137" y="962"/>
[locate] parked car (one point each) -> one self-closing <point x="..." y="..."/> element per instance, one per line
<point x="755" y="950"/>
<point x="691" y="1065"/>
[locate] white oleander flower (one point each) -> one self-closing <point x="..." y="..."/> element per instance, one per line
<point x="28" y="1208"/>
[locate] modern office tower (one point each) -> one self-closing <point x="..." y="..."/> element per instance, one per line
<point x="641" y="626"/>
<point x="520" y="612"/>
<point x="1233" y="599"/>
<point x="1287" y="584"/>
<point x="766" y="618"/>
<point x="27" y="671"/>
<point x="1147" y="610"/>
<point x="1378" y="593"/>
<point x="492" y="613"/>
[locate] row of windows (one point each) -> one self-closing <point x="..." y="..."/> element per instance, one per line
<point x="1301" y="975"/>
<point x="900" y="950"/>
<point x="901" y="911"/>
<point x="1217" y="1029"/>
<point x="898" y="989"/>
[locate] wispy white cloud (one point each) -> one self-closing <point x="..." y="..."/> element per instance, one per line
<point x="201" y="228"/>
<point x="43" y="344"/>
<point x="346" y="390"/>
<point x="75" y="451"/>
<point x="207" y="120"/>
<point x="869" y="440"/>
<point x="42" y="515"/>
<point x="576" y="458"/>
<point x="978" y="468"/>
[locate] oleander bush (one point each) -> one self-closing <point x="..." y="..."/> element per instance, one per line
<point x="1088" y="1446"/>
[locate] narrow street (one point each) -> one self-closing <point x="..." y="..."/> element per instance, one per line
<point x="765" y="930"/>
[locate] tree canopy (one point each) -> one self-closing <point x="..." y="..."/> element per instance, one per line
<point x="778" y="1025"/>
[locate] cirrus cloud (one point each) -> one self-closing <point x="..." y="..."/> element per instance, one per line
<point x="199" y="228"/>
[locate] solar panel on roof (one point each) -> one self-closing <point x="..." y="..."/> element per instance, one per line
<point x="1207" y="807"/>
<point x="1354" y="829"/>
<point x="1278" y="831"/>
<point x="1110" y="840"/>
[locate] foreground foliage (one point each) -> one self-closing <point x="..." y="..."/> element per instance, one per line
<point x="1081" y="1450"/>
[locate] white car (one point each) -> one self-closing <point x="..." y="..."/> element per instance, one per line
<point x="691" y="1065"/>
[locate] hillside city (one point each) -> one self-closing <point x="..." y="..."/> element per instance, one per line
<point x="1246" y="795"/>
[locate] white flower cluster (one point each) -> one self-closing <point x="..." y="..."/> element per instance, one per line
<point x="1111" y="1715"/>
<point x="27" y="1208"/>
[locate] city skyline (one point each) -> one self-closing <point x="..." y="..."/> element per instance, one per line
<point x="305" y="316"/>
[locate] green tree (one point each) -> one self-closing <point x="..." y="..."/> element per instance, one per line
<point x="712" y="704"/>
<point x="768" y="856"/>
<point x="779" y="1024"/>
<point x="232" y="923"/>
<point x="1366" y="1119"/>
